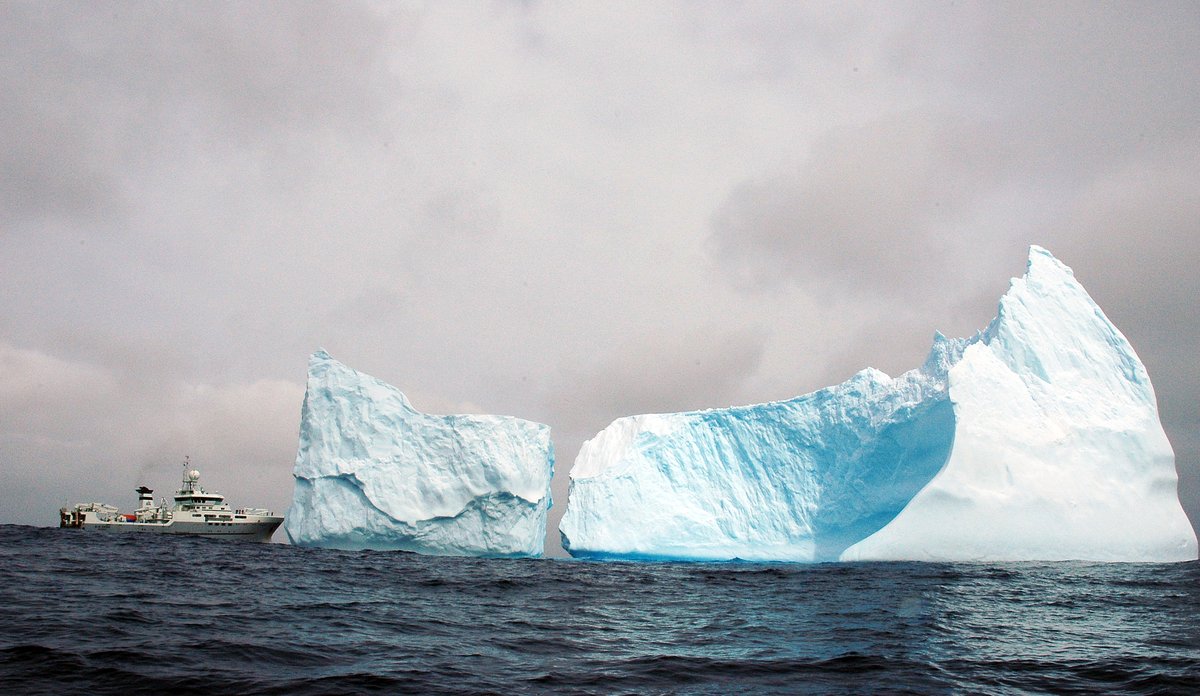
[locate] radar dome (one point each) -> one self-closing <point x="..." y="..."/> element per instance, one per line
<point x="193" y="475"/>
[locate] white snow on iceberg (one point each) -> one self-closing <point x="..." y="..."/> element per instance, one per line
<point x="1037" y="439"/>
<point x="373" y="472"/>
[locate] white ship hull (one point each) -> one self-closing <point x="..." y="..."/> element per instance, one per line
<point x="256" y="530"/>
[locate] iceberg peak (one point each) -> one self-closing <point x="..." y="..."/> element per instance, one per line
<point x="1042" y="261"/>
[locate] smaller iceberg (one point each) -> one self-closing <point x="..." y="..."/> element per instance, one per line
<point x="372" y="472"/>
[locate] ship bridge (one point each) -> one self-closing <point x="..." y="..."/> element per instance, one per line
<point x="192" y="496"/>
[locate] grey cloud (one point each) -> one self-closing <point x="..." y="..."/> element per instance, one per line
<point x="41" y="396"/>
<point x="94" y="90"/>
<point x="165" y="170"/>
<point x="875" y="209"/>
<point x="48" y="169"/>
<point x="1093" y="80"/>
<point x="656" y="373"/>
<point x="1020" y="109"/>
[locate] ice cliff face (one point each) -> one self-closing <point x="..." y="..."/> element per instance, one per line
<point x="1037" y="439"/>
<point x="373" y="472"/>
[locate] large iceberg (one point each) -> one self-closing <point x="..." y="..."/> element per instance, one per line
<point x="373" y="472"/>
<point x="1036" y="439"/>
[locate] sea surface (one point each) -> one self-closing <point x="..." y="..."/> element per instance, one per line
<point x="92" y="613"/>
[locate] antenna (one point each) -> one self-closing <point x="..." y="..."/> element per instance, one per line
<point x="188" y="478"/>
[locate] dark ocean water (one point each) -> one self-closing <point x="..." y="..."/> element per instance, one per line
<point x="89" y="613"/>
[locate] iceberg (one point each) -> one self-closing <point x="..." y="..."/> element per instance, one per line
<point x="1036" y="439"/>
<point x="372" y="472"/>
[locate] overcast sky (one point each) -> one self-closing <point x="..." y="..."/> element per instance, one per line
<point x="566" y="212"/>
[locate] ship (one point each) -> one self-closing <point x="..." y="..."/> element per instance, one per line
<point x="194" y="511"/>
